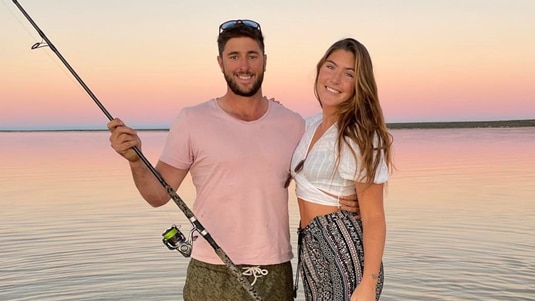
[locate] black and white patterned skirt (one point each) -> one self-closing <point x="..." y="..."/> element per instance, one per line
<point x="331" y="257"/>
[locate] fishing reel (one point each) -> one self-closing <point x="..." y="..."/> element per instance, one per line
<point x="174" y="239"/>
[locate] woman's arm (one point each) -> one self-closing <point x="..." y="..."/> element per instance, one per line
<point x="372" y="213"/>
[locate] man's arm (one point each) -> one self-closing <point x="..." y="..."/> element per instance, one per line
<point x="122" y="140"/>
<point x="148" y="185"/>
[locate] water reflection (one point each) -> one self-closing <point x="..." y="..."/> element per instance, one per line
<point x="460" y="215"/>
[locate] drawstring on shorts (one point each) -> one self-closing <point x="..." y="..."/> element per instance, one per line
<point x="256" y="271"/>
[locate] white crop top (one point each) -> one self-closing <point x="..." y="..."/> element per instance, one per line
<point x="318" y="181"/>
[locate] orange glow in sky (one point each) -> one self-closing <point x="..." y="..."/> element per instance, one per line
<point x="434" y="60"/>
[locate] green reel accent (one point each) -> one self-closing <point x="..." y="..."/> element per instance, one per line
<point x="170" y="233"/>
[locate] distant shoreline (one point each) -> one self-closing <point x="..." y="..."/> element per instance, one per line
<point x="463" y="124"/>
<point x="394" y="125"/>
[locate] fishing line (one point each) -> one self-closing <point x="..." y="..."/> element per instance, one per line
<point x="33" y="38"/>
<point x="171" y="234"/>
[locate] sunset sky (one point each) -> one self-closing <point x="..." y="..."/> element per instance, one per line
<point x="455" y="60"/>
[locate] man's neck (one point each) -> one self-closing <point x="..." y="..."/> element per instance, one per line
<point x="244" y="108"/>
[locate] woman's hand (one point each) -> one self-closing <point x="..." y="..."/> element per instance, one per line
<point x="365" y="291"/>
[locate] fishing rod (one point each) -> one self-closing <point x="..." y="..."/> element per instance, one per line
<point x="172" y="238"/>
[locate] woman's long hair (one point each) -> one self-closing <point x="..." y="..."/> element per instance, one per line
<point x="360" y="118"/>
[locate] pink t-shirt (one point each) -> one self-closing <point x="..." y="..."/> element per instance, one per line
<point x="239" y="169"/>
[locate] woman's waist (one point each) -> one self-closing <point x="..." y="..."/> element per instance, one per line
<point x="309" y="210"/>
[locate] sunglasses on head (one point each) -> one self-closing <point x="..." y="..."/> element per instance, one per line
<point x="231" y="23"/>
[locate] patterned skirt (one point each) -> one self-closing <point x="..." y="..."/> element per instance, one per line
<point x="331" y="257"/>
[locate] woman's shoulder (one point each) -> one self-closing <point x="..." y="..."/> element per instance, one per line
<point x="313" y="120"/>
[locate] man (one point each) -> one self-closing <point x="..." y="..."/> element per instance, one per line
<point x="238" y="149"/>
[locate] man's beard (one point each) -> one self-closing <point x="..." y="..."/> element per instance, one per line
<point x="233" y="85"/>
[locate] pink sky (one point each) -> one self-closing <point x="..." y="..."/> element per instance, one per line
<point x="460" y="60"/>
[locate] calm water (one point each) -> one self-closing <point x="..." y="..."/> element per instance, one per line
<point x="460" y="210"/>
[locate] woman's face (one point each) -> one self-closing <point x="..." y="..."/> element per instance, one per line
<point x="336" y="78"/>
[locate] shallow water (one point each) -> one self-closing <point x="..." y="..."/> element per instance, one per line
<point x="460" y="215"/>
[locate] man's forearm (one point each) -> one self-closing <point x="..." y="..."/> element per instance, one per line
<point x="148" y="185"/>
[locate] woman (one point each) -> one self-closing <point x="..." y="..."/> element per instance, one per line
<point x="345" y="150"/>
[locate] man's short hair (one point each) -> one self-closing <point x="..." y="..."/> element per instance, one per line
<point x="238" y="30"/>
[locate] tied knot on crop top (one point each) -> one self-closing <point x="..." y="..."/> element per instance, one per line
<point x="320" y="180"/>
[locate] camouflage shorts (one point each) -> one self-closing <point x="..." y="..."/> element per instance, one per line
<point x="206" y="282"/>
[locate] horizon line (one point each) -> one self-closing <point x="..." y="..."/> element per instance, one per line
<point x="390" y="125"/>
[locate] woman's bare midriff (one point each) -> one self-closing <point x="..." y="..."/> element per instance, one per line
<point x="309" y="211"/>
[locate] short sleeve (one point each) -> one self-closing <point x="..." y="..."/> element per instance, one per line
<point x="177" y="150"/>
<point x="349" y="167"/>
